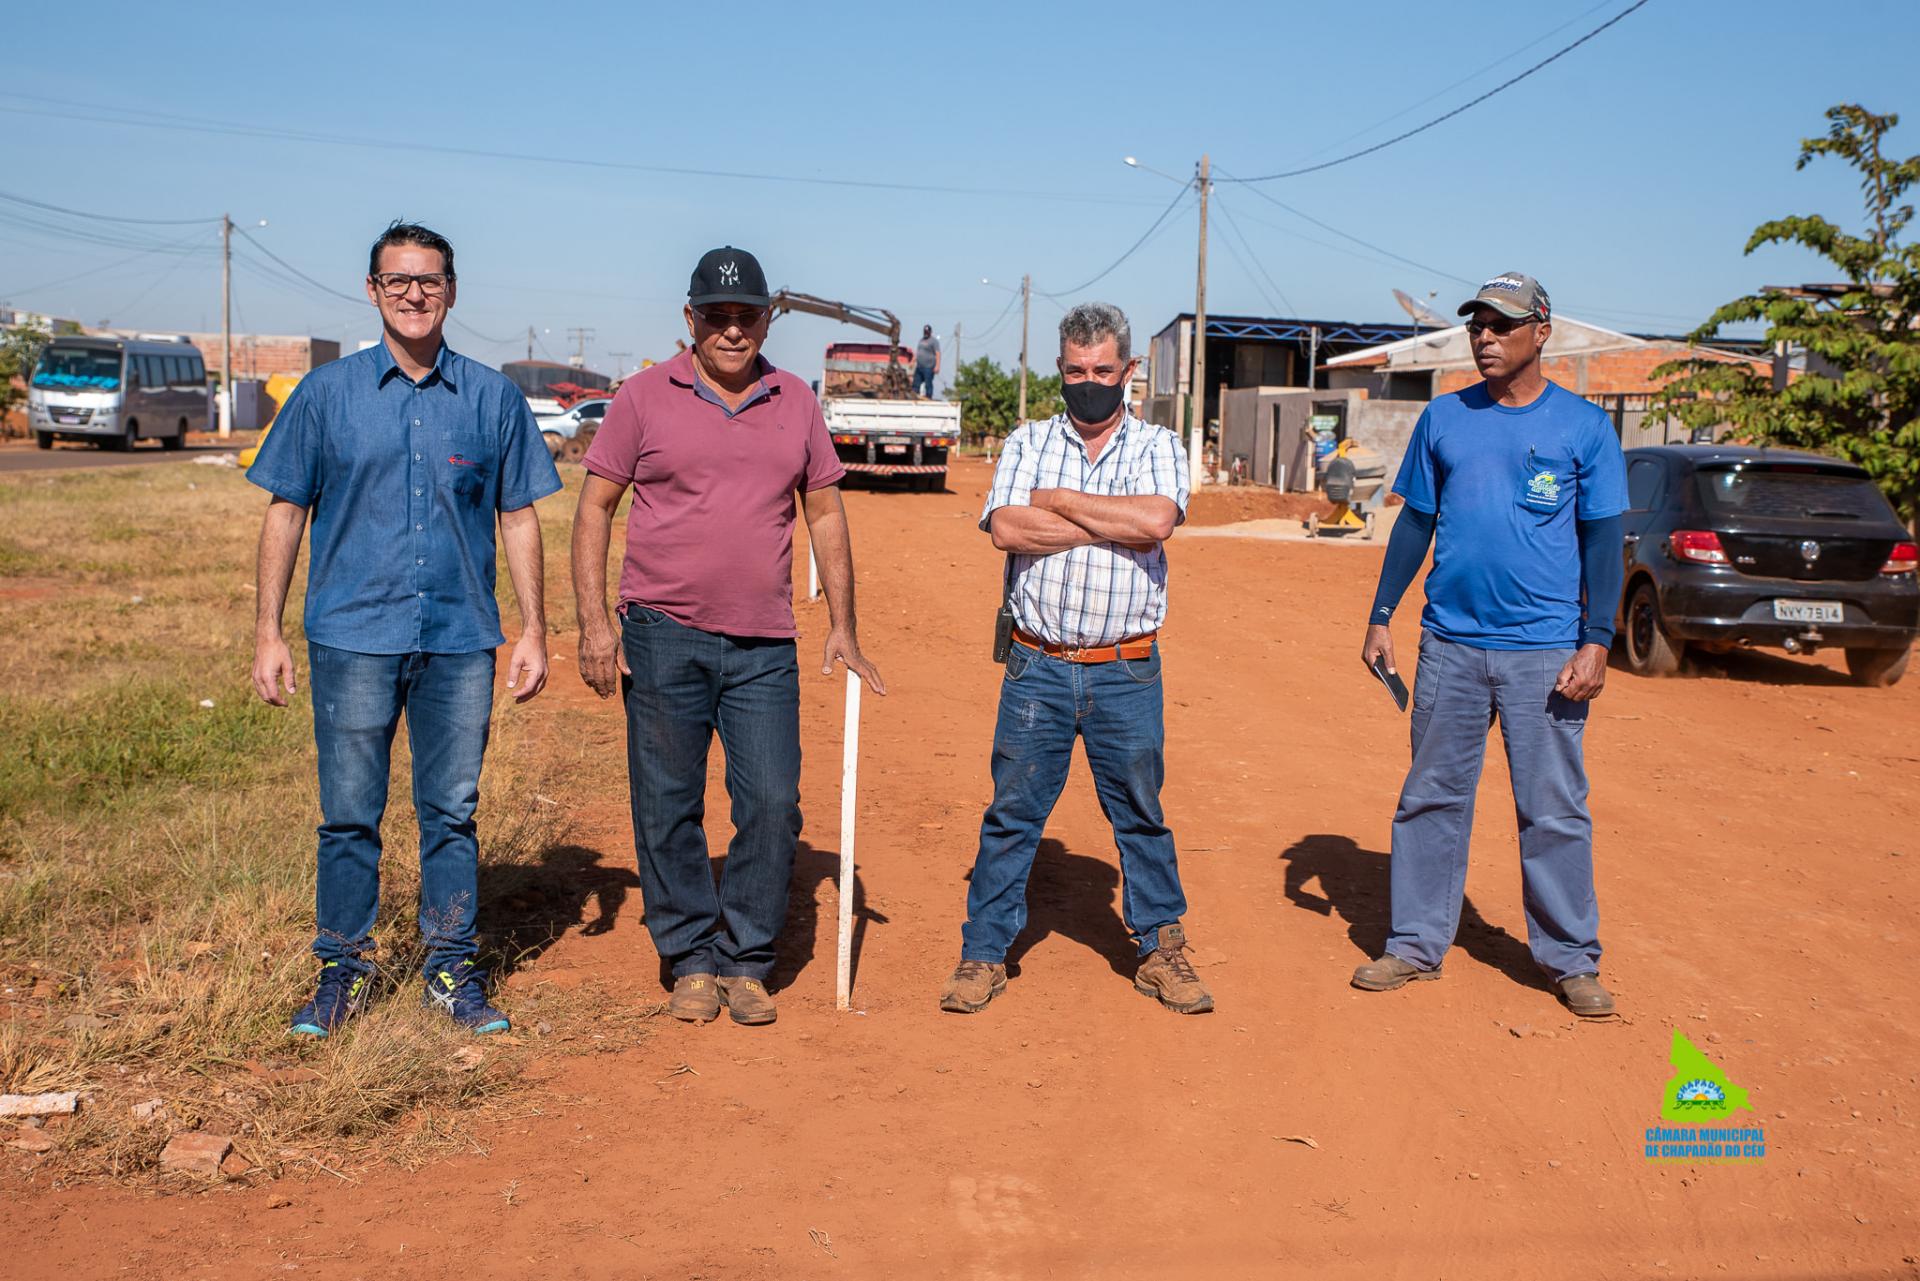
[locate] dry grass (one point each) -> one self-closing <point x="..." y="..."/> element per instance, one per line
<point x="156" y="854"/>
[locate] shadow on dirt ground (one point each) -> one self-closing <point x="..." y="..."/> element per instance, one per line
<point x="1074" y="896"/>
<point x="811" y="914"/>
<point x="526" y="907"/>
<point x="1353" y="885"/>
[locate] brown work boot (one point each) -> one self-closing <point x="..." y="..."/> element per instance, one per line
<point x="1390" y="972"/>
<point x="695" y="999"/>
<point x="747" y="1000"/>
<point x="1584" y="996"/>
<point x="973" y="984"/>
<point x="1167" y="976"/>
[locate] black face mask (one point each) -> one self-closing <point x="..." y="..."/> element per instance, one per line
<point x="1092" y="402"/>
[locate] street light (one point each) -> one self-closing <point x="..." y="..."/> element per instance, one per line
<point x="1134" y="163"/>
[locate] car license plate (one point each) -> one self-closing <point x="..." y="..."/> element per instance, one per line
<point x="65" y="418"/>
<point x="1808" y="611"/>
<point x="893" y="449"/>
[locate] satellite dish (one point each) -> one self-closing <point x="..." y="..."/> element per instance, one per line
<point x="1422" y="314"/>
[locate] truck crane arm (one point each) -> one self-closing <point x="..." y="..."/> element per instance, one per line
<point x="877" y="319"/>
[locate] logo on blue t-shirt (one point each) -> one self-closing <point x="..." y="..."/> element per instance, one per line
<point x="1543" y="489"/>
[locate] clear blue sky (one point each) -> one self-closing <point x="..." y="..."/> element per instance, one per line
<point x="1626" y="176"/>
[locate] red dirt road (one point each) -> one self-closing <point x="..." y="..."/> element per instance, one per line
<point x="1757" y="868"/>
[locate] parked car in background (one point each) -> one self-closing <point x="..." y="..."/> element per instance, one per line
<point x="1731" y="546"/>
<point x="559" y="428"/>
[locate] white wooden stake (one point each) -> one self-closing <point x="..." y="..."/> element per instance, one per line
<point x="849" y="779"/>
<point x="813" y="573"/>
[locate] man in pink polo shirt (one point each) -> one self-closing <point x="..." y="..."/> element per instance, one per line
<point x="715" y="443"/>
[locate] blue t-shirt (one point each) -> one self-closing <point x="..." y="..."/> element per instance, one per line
<point x="405" y="482"/>
<point x="1507" y="486"/>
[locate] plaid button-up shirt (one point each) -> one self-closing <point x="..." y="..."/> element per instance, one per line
<point x="1100" y="593"/>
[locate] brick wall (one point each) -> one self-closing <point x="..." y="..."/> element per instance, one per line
<point x="264" y="355"/>
<point x="1627" y="370"/>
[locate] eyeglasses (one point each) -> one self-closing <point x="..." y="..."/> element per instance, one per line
<point x="1501" y="327"/>
<point x="744" y="317"/>
<point x="396" y="284"/>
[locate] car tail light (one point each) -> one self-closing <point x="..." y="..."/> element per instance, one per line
<point x="1701" y="546"/>
<point x="848" y="440"/>
<point x="939" y="440"/>
<point x="1904" y="558"/>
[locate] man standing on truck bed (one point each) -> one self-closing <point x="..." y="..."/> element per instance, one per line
<point x="926" y="358"/>
<point x="1082" y="503"/>
<point x="714" y="444"/>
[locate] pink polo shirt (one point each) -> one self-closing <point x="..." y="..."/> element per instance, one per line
<point x="710" y="533"/>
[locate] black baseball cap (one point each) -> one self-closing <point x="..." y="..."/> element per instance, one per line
<point x="727" y="274"/>
<point x="1513" y="295"/>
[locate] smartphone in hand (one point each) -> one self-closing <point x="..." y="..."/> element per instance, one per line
<point x="1395" y="686"/>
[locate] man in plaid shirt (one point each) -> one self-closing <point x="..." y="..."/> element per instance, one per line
<point x="1082" y="504"/>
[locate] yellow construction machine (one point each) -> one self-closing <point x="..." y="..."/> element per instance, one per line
<point x="279" y="387"/>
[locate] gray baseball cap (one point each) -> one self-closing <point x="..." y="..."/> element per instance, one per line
<point x="1512" y="294"/>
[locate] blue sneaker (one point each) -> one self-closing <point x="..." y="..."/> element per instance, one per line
<point x="341" y="995"/>
<point x="461" y="991"/>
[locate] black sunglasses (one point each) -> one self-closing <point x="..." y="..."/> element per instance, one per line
<point x="745" y="317"/>
<point x="1501" y="327"/>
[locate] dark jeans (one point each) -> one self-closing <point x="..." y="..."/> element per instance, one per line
<point x="686" y="684"/>
<point x="1045" y="703"/>
<point x="1457" y="695"/>
<point x="357" y="701"/>
<point x="923" y="377"/>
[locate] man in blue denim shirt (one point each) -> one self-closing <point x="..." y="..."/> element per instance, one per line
<point x="405" y="454"/>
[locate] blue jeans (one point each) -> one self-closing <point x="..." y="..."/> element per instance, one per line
<point x="357" y="701"/>
<point x="1458" y="693"/>
<point x="686" y="684"/>
<point x="923" y="377"/>
<point x="1045" y="703"/>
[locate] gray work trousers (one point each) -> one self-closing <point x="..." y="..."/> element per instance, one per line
<point x="1458" y="693"/>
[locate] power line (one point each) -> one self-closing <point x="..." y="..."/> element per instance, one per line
<point x="1467" y="79"/>
<point x="49" y="284"/>
<point x="1441" y="119"/>
<point x="994" y="328"/>
<point x="127" y="118"/>
<point x="327" y="289"/>
<point x="77" y="213"/>
<point x="1177" y="198"/>
<point x="1347" y="235"/>
<point x="1234" y="228"/>
<point x="497" y="342"/>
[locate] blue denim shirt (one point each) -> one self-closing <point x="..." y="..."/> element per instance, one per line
<point x="404" y="482"/>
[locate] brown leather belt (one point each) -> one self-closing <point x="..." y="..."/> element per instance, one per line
<point x="1133" y="648"/>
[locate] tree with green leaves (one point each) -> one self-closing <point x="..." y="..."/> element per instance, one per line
<point x="19" y="352"/>
<point x="989" y="397"/>
<point x="1859" y="397"/>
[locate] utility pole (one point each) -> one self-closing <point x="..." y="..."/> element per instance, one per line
<point x="1026" y="304"/>
<point x="580" y="336"/>
<point x="1197" y="442"/>
<point x="226" y="325"/>
<point x="529" y="342"/>
<point x="621" y="358"/>
<point x="955" y="375"/>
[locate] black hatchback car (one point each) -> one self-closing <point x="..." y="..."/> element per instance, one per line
<point x="1730" y="546"/>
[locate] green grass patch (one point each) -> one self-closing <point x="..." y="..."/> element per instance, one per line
<point x="157" y="855"/>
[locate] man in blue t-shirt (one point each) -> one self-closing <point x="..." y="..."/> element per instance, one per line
<point x="1519" y="485"/>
